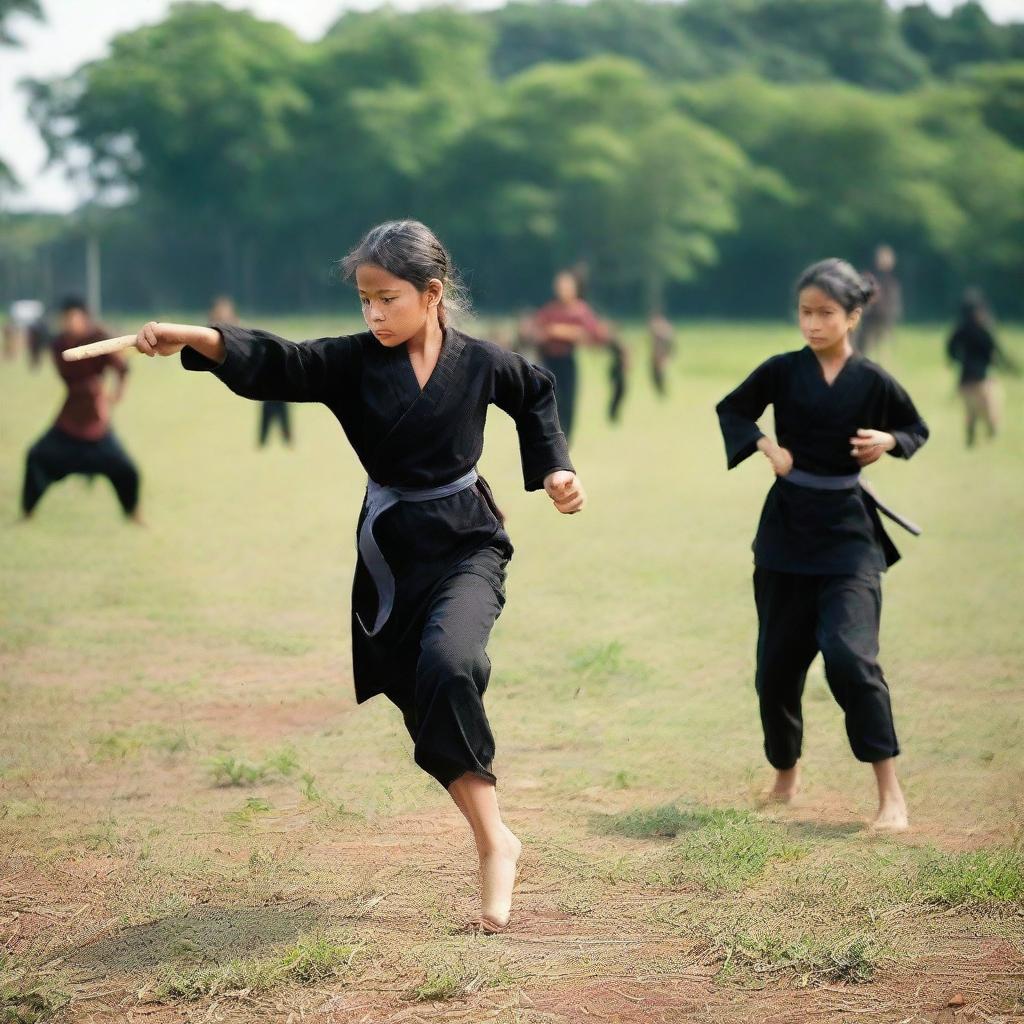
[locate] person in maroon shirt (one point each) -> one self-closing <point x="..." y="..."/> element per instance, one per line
<point x="561" y="325"/>
<point x="81" y="440"/>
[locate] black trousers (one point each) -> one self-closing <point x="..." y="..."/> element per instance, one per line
<point x="617" y="378"/>
<point x="442" y="699"/>
<point x="271" y="413"/>
<point x="564" y="369"/>
<point x="798" y="616"/>
<point x="57" y="455"/>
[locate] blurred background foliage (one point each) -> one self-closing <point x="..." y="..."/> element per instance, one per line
<point x="694" y="153"/>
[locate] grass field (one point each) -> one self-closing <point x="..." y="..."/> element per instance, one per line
<point x="197" y="822"/>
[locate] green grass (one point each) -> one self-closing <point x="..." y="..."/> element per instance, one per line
<point x="717" y="849"/>
<point x="179" y="739"/>
<point x="756" y="955"/>
<point x="731" y="850"/>
<point x="665" y="822"/>
<point x="228" y="770"/>
<point x="27" y="998"/>
<point x="456" y="974"/>
<point x="980" y="876"/>
<point x="125" y="743"/>
<point x="442" y="983"/>
<point x="253" y="808"/>
<point x="310" y="961"/>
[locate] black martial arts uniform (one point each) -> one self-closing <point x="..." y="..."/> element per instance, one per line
<point x="820" y="549"/>
<point x="447" y="555"/>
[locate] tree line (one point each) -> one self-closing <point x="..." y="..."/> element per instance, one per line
<point x="693" y="154"/>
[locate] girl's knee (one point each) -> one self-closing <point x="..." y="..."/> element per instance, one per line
<point x="449" y="664"/>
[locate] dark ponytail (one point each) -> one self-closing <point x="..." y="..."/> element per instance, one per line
<point x="411" y="251"/>
<point x="839" y="280"/>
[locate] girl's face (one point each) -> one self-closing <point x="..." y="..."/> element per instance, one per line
<point x="823" y="321"/>
<point x="394" y="309"/>
<point x="565" y="287"/>
<point x="75" y="322"/>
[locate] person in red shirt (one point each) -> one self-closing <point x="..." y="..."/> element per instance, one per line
<point x="81" y="440"/>
<point x="561" y="325"/>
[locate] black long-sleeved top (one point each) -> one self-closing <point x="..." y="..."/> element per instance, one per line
<point x="804" y="530"/>
<point x="974" y="348"/>
<point x="407" y="437"/>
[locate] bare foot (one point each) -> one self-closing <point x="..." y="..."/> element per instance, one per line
<point x="787" y="785"/>
<point x="497" y="880"/>
<point x="891" y="817"/>
<point x="136" y="518"/>
<point x="892" y="808"/>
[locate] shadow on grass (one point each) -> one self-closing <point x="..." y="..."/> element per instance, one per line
<point x="721" y="849"/>
<point x="670" y="820"/>
<point x="823" y="829"/>
<point x="202" y="935"/>
<point x="665" y="822"/>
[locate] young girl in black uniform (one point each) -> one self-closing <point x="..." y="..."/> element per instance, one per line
<point x="820" y="547"/>
<point x="411" y="394"/>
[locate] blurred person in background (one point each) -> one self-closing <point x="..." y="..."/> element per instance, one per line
<point x="81" y="440"/>
<point x="886" y="308"/>
<point x="618" y="369"/>
<point x="561" y="325"/>
<point x="223" y="311"/>
<point x="973" y="347"/>
<point x="39" y="340"/>
<point x="662" y="346"/>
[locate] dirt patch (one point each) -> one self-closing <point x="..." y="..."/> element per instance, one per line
<point x="269" y="719"/>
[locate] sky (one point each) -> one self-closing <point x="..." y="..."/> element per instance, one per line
<point x="78" y="30"/>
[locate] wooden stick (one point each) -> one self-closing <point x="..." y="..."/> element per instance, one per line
<point x="99" y="348"/>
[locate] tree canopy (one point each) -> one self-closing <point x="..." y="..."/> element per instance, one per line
<point x="698" y="152"/>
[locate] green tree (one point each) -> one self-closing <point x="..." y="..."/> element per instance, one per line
<point x="1000" y="92"/>
<point x="797" y="40"/>
<point x="389" y="96"/>
<point x="29" y="8"/>
<point x="591" y="160"/>
<point x="983" y="175"/>
<point x="562" y="31"/>
<point x="188" y="116"/>
<point x="966" y="36"/>
<point x="32" y="9"/>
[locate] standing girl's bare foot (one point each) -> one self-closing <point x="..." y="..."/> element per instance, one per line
<point x="892" y="808"/>
<point x="891" y="817"/>
<point x="787" y="785"/>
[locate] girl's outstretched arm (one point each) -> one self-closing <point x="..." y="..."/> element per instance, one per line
<point x="257" y="364"/>
<point x="160" y="339"/>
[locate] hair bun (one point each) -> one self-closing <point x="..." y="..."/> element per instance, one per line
<point x="840" y="280"/>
